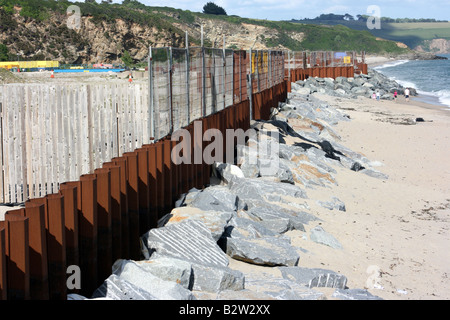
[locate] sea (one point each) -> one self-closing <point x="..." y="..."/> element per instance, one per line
<point x="431" y="78"/>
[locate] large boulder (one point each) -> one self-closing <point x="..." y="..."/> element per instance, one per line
<point x="267" y="251"/>
<point x="314" y="277"/>
<point x="189" y="240"/>
<point x="132" y="272"/>
<point x="214" y="220"/>
<point x="215" y="198"/>
<point x="115" y="288"/>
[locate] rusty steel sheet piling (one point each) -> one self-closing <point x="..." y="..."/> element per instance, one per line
<point x="88" y="224"/>
<point x="17" y="255"/>
<point x="104" y="222"/>
<point x="133" y="203"/>
<point x="71" y="216"/>
<point x="3" y="275"/>
<point x="121" y="162"/>
<point x="143" y="179"/>
<point x="39" y="286"/>
<point x="116" y="210"/>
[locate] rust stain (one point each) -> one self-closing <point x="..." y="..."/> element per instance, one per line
<point x="316" y="173"/>
<point x="177" y="218"/>
<point x="302" y="157"/>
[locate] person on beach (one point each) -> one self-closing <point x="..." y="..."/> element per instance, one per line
<point x="378" y="95"/>
<point x="407" y="94"/>
<point x="373" y="95"/>
<point x="395" y="95"/>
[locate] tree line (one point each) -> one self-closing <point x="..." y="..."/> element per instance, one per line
<point x="363" y="18"/>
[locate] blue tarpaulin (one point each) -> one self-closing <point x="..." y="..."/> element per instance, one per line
<point x="338" y="55"/>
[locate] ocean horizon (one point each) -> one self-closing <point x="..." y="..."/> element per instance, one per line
<point x="431" y="78"/>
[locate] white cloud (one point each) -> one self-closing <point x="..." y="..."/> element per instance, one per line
<point x="288" y="9"/>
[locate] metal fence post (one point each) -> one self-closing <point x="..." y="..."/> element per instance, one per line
<point x="258" y="86"/>
<point x="151" y="110"/>
<point x="240" y="77"/>
<point x="250" y="83"/>
<point x="169" y="62"/>
<point x="187" y="81"/>
<point x="224" y="65"/>
<point x="289" y="66"/>
<point x="203" y="82"/>
<point x="269" y="68"/>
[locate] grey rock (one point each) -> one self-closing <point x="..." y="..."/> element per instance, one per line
<point x="354" y="294"/>
<point x="258" y="189"/>
<point x="319" y="235"/>
<point x="375" y="174"/>
<point x="340" y="92"/>
<point x="341" y="80"/>
<point x="188" y="240"/>
<point x="279" y="225"/>
<point x="130" y="271"/>
<point x="282" y="173"/>
<point x="267" y="251"/>
<point x="215" y="221"/>
<point x="286" y="219"/>
<point x="335" y="203"/>
<point x="302" y="90"/>
<point x="249" y="169"/>
<point x="116" y="288"/>
<point x="186" y="198"/>
<point x="169" y="268"/>
<point x="280" y="288"/>
<point x="212" y="278"/>
<point x="227" y="172"/>
<point x="245" y="228"/>
<point x="314" y="277"/>
<point x="215" y="198"/>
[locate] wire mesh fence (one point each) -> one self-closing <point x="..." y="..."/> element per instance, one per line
<point x="187" y="84"/>
<point x="74" y="129"/>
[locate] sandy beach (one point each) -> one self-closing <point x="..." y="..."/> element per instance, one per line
<point x="395" y="232"/>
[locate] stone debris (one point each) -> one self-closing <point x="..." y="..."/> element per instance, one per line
<point x="354" y="294"/>
<point x="314" y="277"/>
<point x="319" y="235"/>
<point x="249" y="211"/>
<point x="281" y="288"/>
<point x="334" y="203"/>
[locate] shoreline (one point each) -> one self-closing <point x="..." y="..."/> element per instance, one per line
<point x="425" y="97"/>
<point x="404" y="220"/>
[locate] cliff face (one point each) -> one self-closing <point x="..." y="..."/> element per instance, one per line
<point x="93" y="42"/>
<point x="436" y="46"/>
<point x="103" y="36"/>
<point x="100" y="41"/>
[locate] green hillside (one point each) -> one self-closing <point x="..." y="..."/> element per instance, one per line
<point x="36" y="29"/>
<point x="412" y="34"/>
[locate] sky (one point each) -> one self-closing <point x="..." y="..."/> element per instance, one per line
<point x="299" y="9"/>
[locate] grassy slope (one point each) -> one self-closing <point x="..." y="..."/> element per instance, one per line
<point x="411" y="33"/>
<point x="316" y="37"/>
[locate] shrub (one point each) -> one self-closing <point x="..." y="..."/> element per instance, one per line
<point x="212" y="8"/>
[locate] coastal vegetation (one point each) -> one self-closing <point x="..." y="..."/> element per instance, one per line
<point x="37" y="29"/>
<point x="412" y="32"/>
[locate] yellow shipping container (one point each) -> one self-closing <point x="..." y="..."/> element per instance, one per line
<point x="29" y="64"/>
